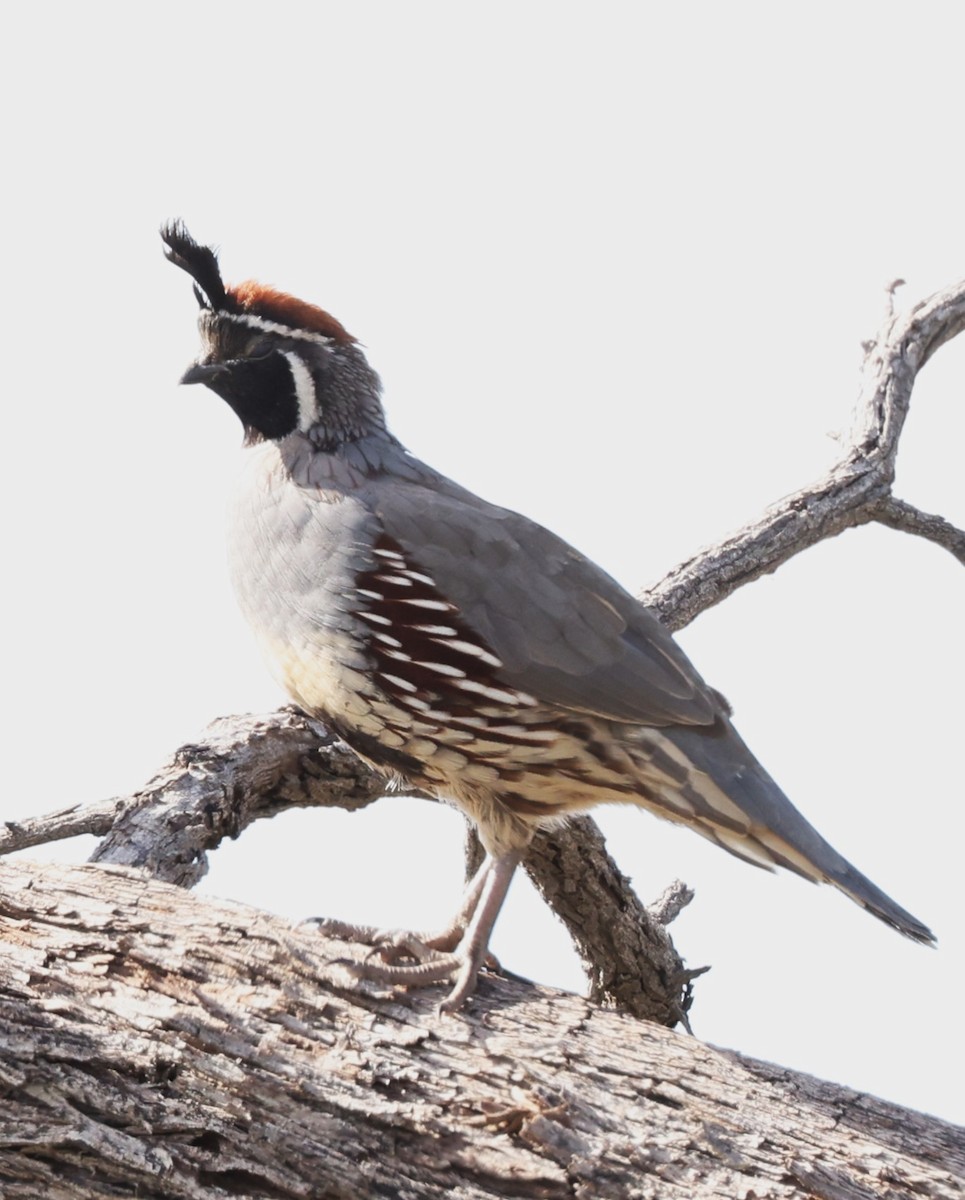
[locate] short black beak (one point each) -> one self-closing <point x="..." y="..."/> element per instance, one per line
<point x="202" y="373"/>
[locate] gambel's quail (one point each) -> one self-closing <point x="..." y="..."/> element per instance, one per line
<point x="455" y="643"/>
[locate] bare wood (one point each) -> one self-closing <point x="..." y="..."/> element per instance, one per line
<point x="77" y="819"/>
<point x="245" y="769"/>
<point x="855" y="491"/>
<point x="896" y="514"/>
<point x="201" y="1050"/>
<point x="629" y="959"/>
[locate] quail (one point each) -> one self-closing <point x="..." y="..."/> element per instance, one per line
<point x="457" y="644"/>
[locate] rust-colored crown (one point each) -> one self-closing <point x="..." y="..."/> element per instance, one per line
<point x="273" y="305"/>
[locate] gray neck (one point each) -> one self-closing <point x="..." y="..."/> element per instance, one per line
<point x="351" y="464"/>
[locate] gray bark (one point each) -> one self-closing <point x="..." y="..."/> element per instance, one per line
<point x="156" y="1045"/>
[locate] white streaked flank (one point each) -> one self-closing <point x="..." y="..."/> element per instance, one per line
<point x="443" y="669"/>
<point x="404" y="684"/>
<point x="435" y="605"/>
<point x="491" y="693"/>
<point x="474" y="650"/>
<point x="376" y="618"/>
<point x="396" y="580"/>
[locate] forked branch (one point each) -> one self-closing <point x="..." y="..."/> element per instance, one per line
<point x="857" y="489"/>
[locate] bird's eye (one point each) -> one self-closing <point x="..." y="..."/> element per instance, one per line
<point x="260" y="349"/>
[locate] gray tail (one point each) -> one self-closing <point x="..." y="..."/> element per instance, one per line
<point x="775" y="833"/>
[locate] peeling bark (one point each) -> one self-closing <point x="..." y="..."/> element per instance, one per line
<point x="160" y="1046"/>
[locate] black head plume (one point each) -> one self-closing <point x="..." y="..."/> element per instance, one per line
<point x="201" y="263"/>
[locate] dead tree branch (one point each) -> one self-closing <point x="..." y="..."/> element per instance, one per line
<point x="896" y="514"/>
<point x="179" y="1048"/>
<point x="856" y="491"/>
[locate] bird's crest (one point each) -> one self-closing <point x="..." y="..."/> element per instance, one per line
<point x="201" y="263"/>
<point x="255" y="299"/>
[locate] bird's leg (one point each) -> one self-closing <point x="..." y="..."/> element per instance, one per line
<point x="474" y="946"/>
<point x="420" y="946"/>
<point x="416" y="944"/>
<point x="467" y="936"/>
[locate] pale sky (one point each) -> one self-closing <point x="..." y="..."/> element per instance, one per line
<point x="615" y="263"/>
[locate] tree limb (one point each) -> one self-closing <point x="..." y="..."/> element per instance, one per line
<point x="896" y="514"/>
<point x="855" y="491"/>
<point x="245" y="769"/>
<point x="197" y="1049"/>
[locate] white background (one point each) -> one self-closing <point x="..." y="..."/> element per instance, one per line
<point x="615" y="262"/>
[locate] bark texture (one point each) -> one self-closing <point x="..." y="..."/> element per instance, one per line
<point x="158" y="1046"/>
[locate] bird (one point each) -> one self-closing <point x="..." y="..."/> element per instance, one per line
<point x="455" y="644"/>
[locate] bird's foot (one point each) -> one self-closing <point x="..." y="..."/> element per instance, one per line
<point x="457" y="953"/>
<point x="461" y="968"/>
<point x="391" y="944"/>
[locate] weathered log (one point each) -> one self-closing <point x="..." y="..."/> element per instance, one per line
<point x="159" y="1045"/>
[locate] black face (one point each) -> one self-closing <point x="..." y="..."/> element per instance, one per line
<point x="261" y="390"/>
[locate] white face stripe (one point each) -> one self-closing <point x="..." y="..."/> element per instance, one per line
<point x="263" y="323"/>
<point x="304" y="390"/>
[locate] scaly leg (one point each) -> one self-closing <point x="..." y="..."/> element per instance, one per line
<point x="458" y="952"/>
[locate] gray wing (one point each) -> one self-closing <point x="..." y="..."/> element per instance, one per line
<point x="565" y="631"/>
<point x="570" y="635"/>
